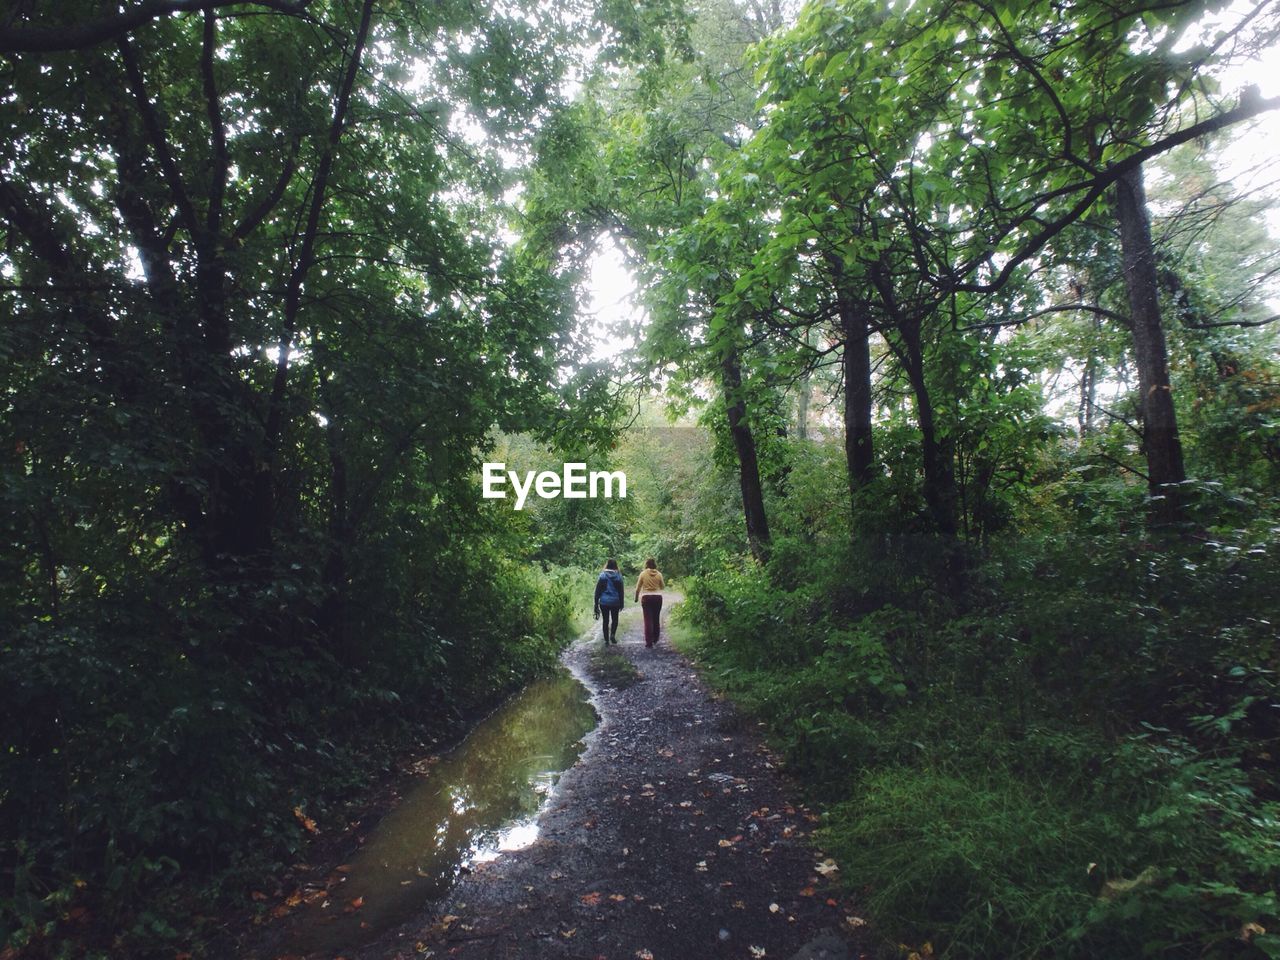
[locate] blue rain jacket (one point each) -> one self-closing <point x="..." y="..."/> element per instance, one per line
<point x="609" y="589"/>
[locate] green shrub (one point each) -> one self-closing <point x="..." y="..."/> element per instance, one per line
<point x="1064" y="748"/>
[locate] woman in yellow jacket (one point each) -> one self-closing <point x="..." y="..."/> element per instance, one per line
<point x="649" y="595"/>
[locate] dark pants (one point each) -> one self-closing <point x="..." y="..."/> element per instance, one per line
<point x="651" y="604"/>
<point x="606" y="613"/>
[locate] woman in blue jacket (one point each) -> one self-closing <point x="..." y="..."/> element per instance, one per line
<point x="609" y="591"/>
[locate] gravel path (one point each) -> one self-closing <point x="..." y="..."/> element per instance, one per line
<point x="672" y="838"/>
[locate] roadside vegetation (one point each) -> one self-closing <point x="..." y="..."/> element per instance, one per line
<point x="1073" y="754"/>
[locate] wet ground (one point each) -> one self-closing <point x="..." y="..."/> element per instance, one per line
<point x="476" y="803"/>
<point x="673" y="837"/>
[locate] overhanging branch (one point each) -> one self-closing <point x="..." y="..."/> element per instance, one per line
<point x="80" y="36"/>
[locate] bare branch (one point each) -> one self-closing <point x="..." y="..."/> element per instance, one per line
<point x="80" y="36"/>
<point x="306" y="255"/>
<point x="219" y="162"/>
<point x="159" y="142"/>
<point x="1251" y="104"/>
<point x="1060" y="308"/>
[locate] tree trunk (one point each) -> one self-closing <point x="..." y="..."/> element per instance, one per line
<point x="744" y="444"/>
<point x="803" y="397"/>
<point x="855" y="368"/>
<point x="940" y="492"/>
<point x="1159" y="421"/>
<point x="1088" y="392"/>
<point x="856" y="371"/>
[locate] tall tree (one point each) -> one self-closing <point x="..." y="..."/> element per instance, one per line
<point x="642" y="172"/>
<point x="986" y="146"/>
<point x="261" y="315"/>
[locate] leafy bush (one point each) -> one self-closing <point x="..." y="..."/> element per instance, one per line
<point x="1063" y="748"/>
<point x="142" y="777"/>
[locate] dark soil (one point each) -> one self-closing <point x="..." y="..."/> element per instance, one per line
<point x="673" y="837"/>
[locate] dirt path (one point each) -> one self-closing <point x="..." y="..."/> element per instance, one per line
<point x="672" y="838"/>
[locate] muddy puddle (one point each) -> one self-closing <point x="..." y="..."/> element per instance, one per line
<point x="477" y="801"/>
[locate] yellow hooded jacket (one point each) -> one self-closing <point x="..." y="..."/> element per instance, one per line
<point x="649" y="581"/>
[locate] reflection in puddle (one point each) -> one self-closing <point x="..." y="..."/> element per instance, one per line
<point x="481" y="799"/>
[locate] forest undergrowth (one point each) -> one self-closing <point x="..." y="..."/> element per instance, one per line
<point x="179" y="785"/>
<point x="1062" y="745"/>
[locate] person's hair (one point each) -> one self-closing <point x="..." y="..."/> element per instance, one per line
<point x="651" y="563"/>
<point x="611" y="564"/>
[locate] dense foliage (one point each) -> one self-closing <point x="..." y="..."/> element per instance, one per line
<point x="1072" y="757"/>
<point x="263" y="308"/>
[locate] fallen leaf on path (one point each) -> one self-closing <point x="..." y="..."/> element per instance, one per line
<point x="726" y="843"/>
<point x="617" y="897"/>
<point x="826" y="867"/>
<point x="258" y="895"/>
<point x="855" y="922"/>
<point x="591" y="899"/>
<point x="739" y="905"/>
<point x="307" y="823"/>
<point x="807" y="892"/>
<point x="643" y="955"/>
<point x="757" y="952"/>
<point x="701" y="866"/>
<point x="774" y="908"/>
<point x="831" y="902"/>
<point x="568" y="934"/>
